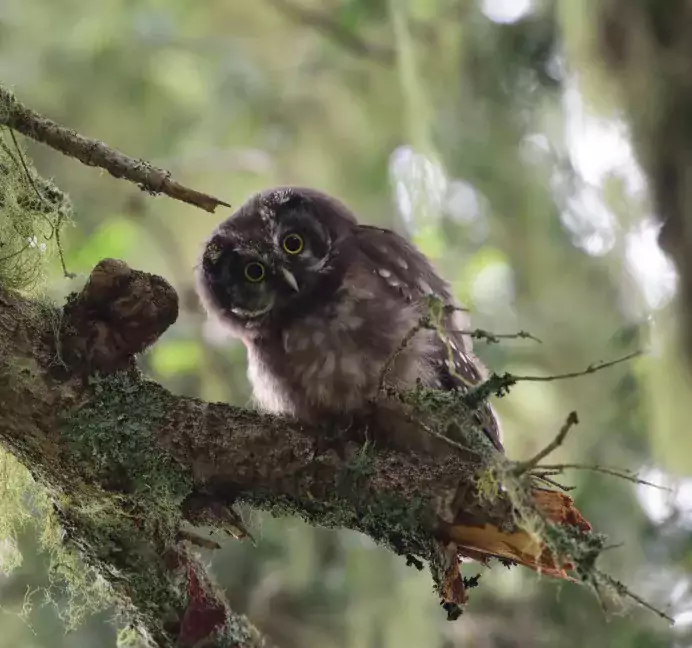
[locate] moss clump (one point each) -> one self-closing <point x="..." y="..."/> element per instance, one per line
<point x="115" y="435"/>
<point x="123" y="527"/>
<point x="22" y="503"/>
<point x="361" y="464"/>
<point x="238" y="631"/>
<point x="26" y="504"/>
<point x="401" y="525"/>
<point x="32" y="212"/>
<point x="448" y="413"/>
<point x="582" y="548"/>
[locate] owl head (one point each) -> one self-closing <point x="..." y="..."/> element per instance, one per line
<point x="280" y="252"/>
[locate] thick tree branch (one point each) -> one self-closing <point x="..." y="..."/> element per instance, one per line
<point x="150" y="459"/>
<point x="95" y="153"/>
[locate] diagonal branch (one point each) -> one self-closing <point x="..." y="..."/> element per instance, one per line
<point x="78" y="414"/>
<point x="95" y="153"/>
<point x="127" y="463"/>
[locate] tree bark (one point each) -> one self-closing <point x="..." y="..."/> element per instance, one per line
<point x="90" y="428"/>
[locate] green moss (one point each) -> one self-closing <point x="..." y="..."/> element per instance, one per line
<point x="130" y="637"/>
<point x="238" y="631"/>
<point x="115" y="435"/>
<point x="449" y="415"/>
<point x="361" y="465"/>
<point x="22" y="502"/>
<point x="119" y="530"/>
<point x="32" y="213"/>
<point x="26" y="504"/>
<point x="400" y="524"/>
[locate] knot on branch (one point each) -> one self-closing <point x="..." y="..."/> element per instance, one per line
<point x="118" y="314"/>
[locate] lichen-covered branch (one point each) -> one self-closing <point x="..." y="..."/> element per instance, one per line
<point x="91" y="152"/>
<point x="127" y="463"/>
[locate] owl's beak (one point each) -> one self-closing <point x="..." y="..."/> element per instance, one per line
<point x="290" y="279"/>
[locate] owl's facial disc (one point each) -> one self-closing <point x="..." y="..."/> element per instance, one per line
<point x="274" y="259"/>
<point x="243" y="281"/>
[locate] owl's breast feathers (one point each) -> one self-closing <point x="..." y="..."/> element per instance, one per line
<point x="330" y="360"/>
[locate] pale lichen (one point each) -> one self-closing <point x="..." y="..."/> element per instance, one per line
<point x="32" y="212"/>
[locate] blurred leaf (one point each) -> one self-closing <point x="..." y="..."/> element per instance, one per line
<point x="429" y="238"/>
<point x="354" y="13"/>
<point x="473" y="266"/>
<point x="170" y="358"/>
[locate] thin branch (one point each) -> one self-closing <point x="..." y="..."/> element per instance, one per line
<point x="524" y="466"/>
<point x="552" y="482"/>
<point x="423" y="323"/>
<point x="445" y="439"/>
<point x="592" y="368"/>
<point x="95" y="153"/>
<point x="494" y="338"/>
<point x="614" y="472"/>
<point x="325" y="22"/>
<point x="624" y="591"/>
<point x="499" y="384"/>
<point x="14" y="254"/>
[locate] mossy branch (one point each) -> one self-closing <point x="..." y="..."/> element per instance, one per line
<point x="127" y="463"/>
<point x="91" y="152"/>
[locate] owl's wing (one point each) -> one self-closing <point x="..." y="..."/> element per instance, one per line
<point x="405" y="269"/>
<point x="408" y="273"/>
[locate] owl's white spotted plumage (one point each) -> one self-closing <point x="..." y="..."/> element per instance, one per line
<point x="323" y="303"/>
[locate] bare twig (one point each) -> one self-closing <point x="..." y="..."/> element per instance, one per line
<point x="95" y="153"/>
<point x="423" y="323"/>
<point x="624" y="591"/>
<point x="592" y="368"/>
<point x="494" y="338"/>
<point x="445" y="439"/>
<point x="14" y="254"/>
<point x="499" y="384"/>
<point x="198" y="540"/>
<point x="614" y="472"/>
<point x="552" y="482"/>
<point x="524" y="466"/>
<point x="325" y="22"/>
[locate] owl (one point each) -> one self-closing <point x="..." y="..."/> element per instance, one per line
<point x="323" y="305"/>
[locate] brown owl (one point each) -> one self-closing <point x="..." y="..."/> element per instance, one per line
<point x="323" y="303"/>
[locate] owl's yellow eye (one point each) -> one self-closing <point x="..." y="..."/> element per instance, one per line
<point x="254" y="271"/>
<point x="293" y="244"/>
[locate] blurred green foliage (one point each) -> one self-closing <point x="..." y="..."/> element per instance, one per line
<point x="431" y="118"/>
